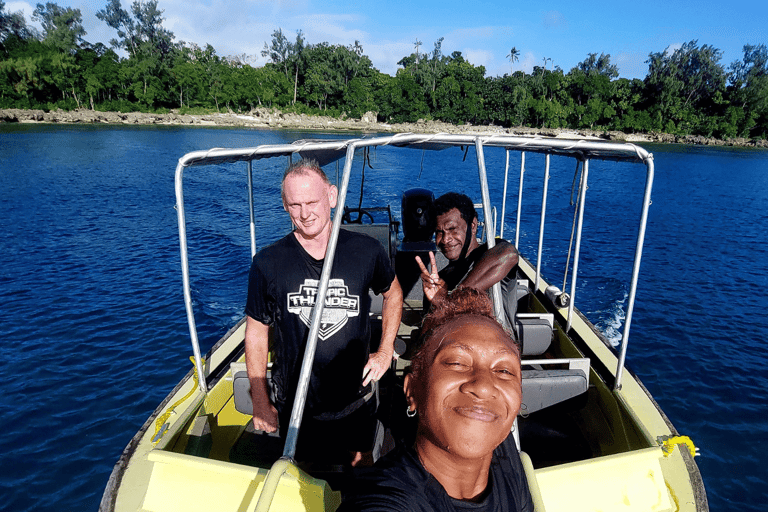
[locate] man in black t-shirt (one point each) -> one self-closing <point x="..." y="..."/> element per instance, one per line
<point x="469" y="264"/>
<point x="282" y="289"/>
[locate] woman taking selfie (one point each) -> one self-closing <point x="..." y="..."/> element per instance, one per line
<point x="465" y="389"/>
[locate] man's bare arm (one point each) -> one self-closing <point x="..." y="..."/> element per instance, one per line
<point x="256" y="357"/>
<point x="494" y="265"/>
<point x="391" y="312"/>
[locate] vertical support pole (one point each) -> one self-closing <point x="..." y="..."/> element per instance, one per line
<point x="504" y="197"/>
<point x="541" y="224"/>
<point x="201" y="381"/>
<point x="582" y="199"/>
<point x="519" y="201"/>
<point x="635" y="271"/>
<point x="498" y="305"/>
<point x="252" y="219"/>
<point x="317" y="314"/>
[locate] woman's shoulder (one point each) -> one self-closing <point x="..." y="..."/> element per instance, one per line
<point x="397" y="482"/>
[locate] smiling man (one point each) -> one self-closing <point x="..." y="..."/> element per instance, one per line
<point x="470" y="264"/>
<point x="282" y="290"/>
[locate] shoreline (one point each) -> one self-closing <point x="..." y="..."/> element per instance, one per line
<point x="275" y="119"/>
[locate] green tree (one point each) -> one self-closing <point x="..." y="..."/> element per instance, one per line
<point x="514" y="55"/>
<point x="682" y="85"/>
<point x="13" y="24"/>
<point x="749" y="92"/>
<point x="458" y="97"/>
<point x="286" y="55"/>
<point x="143" y="25"/>
<point x="265" y="86"/>
<point x="599" y="65"/>
<point x="62" y="27"/>
<point x="187" y="77"/>
<point x="401" y="99"/>
<point x="100" y="73"/>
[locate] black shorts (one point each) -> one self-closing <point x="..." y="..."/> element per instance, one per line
<point x="331" y="441"/>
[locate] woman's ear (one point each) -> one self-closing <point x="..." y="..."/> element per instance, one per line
<point x="408" y="390"/>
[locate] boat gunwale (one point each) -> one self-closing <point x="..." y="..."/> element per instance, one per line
<point x="109" y="496"/>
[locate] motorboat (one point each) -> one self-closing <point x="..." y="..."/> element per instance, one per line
<point x="590" y="434"/>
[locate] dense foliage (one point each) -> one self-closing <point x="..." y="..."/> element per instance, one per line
<point x="686" y="91"/>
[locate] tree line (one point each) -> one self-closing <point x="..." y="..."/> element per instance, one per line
<point x="686" y="91"/>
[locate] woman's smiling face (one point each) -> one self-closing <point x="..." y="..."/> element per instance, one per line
<point x="469" y="395"/>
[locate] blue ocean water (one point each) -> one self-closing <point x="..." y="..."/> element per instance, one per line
<point x="92" y="314"/>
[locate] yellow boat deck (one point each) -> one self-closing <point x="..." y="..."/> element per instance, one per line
<point x="599" y="451"/>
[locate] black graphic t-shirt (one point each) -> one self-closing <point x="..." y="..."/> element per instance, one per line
<point x="398" y="481"/>
<point x="282" y="289"/>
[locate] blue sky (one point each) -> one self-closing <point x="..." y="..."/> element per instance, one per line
<point x="483" y="31"/>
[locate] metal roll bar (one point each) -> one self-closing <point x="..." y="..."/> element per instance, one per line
<point x="326" y="151"/>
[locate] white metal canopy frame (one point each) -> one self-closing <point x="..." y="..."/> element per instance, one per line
<point x="327" y="151"/>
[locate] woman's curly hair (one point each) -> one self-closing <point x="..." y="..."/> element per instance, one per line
<point x="460" y="302"/>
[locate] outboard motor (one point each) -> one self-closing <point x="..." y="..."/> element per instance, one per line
<point x="418" y="220"/>
<point x="418" y="223"/>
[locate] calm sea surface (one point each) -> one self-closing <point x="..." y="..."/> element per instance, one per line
<point x="92" y="319"/>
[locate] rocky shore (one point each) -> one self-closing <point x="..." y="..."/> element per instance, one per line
<point x="275" y="119"/>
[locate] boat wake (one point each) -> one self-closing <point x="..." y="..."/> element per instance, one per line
<point x="612" y="326"/>
<point x="606" y="303"/>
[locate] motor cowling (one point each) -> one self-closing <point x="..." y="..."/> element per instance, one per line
<point x="418" y="219"/>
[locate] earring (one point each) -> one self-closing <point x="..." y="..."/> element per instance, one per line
<point x="410" y="412"/>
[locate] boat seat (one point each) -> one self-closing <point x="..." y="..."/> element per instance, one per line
<point x="242" y="388"/>
<point x="535" y="332"/>
<point x="543" y="387"/>
<point x="385" y="233"/>
<point x="408" y="271"/>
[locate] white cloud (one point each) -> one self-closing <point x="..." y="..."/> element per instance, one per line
<point x="386" y="54"/>
<point x="672" y="48"/>
<point x="25" y="8"/>
<point x="632" y="65"/>
<point x="555" y="19"/>
<point x="478" y="57"/>
<point x="526" y="63"/>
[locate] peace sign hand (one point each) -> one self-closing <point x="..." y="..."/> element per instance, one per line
<point x="433" y="284"/>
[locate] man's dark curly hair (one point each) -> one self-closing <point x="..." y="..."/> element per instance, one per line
<point x="461" y="302"/>
<point x="461" y="202"/>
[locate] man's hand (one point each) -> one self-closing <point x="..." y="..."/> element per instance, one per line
<point x="377" y="365"/>
<point x="434" y="286"/>
<point x="264" y="413"/>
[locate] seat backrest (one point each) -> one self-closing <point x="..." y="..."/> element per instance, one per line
<point x="380" y="232"/>
<point x="544" y="386"/>
<point x="535" y="332"/>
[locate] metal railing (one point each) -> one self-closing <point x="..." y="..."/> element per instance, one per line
<point x="330" y="150"/>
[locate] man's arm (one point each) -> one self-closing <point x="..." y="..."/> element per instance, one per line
<point x="391" y="311"/>
<point x="256" y="356"/>
<point x="492" y="267"/>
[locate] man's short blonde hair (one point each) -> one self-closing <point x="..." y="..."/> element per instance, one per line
<point x="303" y="167"/>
